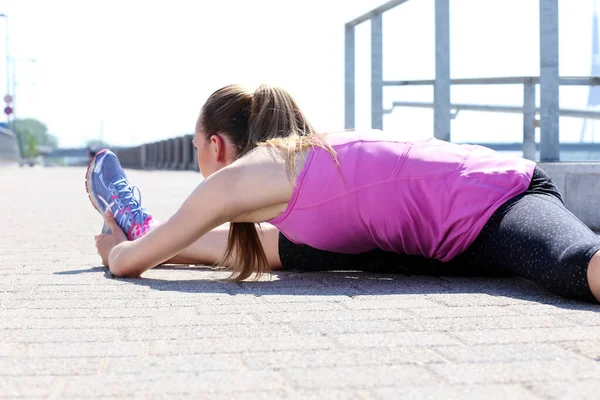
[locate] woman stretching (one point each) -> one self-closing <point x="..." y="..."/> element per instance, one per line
<point x="346" y="198"/>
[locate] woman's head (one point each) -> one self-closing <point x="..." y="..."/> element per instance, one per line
<point x="234" y="120"/>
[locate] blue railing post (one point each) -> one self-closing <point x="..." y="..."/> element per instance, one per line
<point x="377" y="71"/>
<point x="549" y="82"/>
<point x="350" y="79"/>
<point x="529" y="113"/>
<point x="441" y="91"/>
<point x="177" y="153"/>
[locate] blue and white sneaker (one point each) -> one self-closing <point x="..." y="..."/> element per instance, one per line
<point x="107" y="187"/>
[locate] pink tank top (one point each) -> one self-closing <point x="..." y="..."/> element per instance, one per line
<point x="430" y="198"/>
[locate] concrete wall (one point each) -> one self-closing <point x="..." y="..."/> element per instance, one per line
<point x="9" y="148"/>
<point x="579" y="183"/>
<point x="177" y="154"/>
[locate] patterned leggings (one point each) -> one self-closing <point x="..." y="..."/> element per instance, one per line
<point x="532" y="235"/>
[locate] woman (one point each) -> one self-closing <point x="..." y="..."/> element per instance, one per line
<point x="351" y="193"/>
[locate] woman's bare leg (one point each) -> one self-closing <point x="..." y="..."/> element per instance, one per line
<point x="210" y="248"/>
<point x="593" y="275"/>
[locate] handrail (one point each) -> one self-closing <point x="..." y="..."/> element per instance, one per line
<point x="379" y="10"/>
<point x="508" y="80"/>
<point x="564" y="112"/>
<point x="8" y="132"/>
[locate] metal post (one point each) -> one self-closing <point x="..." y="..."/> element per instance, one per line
<point x="173" y="154"/>
<point x="154" y="156"/>
<point x="7" y="64"/>
<point x="350" y="79"/>
<point x="376" y="72"/>
<point x="185" y="151"/>
<point x="161" y="154"/>
<point x="441" y="91"/>
<point x="529" y="119"/>
<point x="192" y="154"/>
<point x="168" y="154"/>
<point x="549" y="81"/>
<point x="144" y="149"/>
<point x="177" y="145"/>
<point x="8" y="116"/>
<point x="14" y="91"/>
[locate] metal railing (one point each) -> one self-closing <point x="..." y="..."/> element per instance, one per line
<point x="548" y="81"/>
<point x="176" y="153"/>
<point x="529" y="109"/>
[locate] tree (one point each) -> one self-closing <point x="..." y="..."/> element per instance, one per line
<point x="31" y="148"/>
<point x="96" y="144"/>
<point x="33" y="134"/>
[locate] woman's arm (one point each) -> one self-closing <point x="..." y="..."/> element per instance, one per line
<point x="210" y="248"/>
<point x="255" y="188"/>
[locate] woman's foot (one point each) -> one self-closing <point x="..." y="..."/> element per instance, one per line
<point x="107" y="187"/>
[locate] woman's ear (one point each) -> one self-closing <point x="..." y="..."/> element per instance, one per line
<point x="219" y="146"/>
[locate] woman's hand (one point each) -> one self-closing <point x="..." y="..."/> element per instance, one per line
<point x="105" y="242"/>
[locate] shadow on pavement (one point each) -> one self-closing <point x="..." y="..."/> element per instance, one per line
<point x="81" y="271"/>
<point x="354" y="283"/>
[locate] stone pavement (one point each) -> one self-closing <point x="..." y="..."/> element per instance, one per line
<point x="67" y="329"/>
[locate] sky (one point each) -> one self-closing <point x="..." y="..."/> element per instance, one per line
<point x="133" y="71"/>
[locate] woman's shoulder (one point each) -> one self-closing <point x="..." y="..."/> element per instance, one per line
<point x="270" y="165"/>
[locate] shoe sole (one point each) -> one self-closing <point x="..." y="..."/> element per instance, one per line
<point x="88" y="186"/>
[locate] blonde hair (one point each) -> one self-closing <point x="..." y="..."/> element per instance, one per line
<point x="267" y="117"/>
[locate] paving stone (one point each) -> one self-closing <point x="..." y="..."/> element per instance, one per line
<point x="179" y="363"/>
<point x="59" y="335"/>
<point x="585" y="348"/>
<point x="28" y="387"/>
<point x="535" y="335"/>
<point x="268" y="307"/>
<point x="347" y="377"/>
<point x="470" y="311"/>
<point x="388" y="301"/>
<point x="86" y="349"/>
<point x="523" y="371"/>
<point x="60" y="323"/>
<point x="238" y="345"/>
<point x="504" y="353"/>
<point x="347" y="326"/>
<point x="457" y="392"/>
<point x="578" y="390"/>
<point x="486" y="323"/>
<point x="332" y="316"/>
<point x="341" y="358"/>
<point x="42" y="367"/>
<point x="383" y="340"/>
<point x="328" y="393"/>
<point x="176" y="383"/>
<point x="208" y="331"/>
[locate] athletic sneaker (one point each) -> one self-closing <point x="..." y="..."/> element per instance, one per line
<point x="107" y="187"/>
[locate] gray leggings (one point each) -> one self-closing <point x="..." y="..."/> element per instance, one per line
<point x="532" y="235"/>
